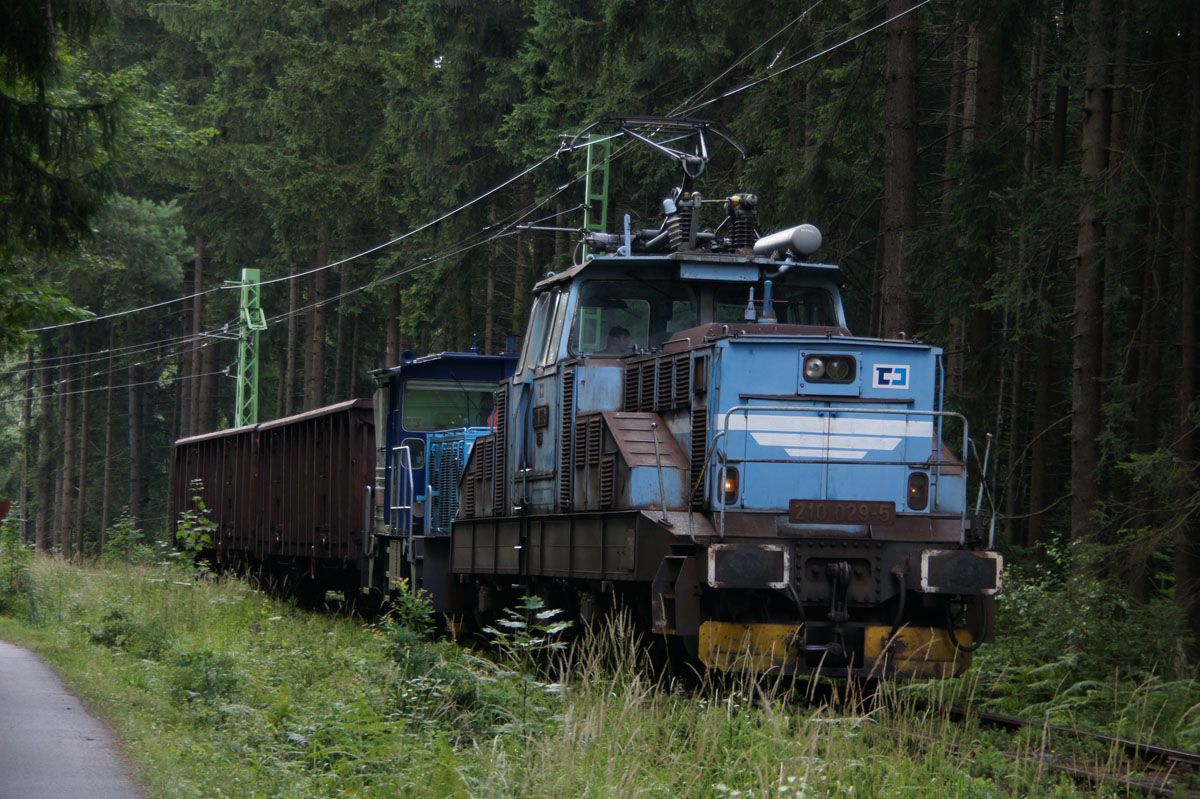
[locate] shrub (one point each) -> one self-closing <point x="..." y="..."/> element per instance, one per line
<point x="120" y="631"/>
<point x="15" y="557"/>
<point x="195" y="527"/>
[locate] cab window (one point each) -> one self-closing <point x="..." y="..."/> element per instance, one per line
<point x="616" y="318"/>
<point x="794" y="305"/>
<point x="558" y="312"/>
<point x="431" y="405"/>
<point x="535" y="338"/>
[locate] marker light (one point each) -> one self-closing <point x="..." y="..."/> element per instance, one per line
<point x="731" y="486"/>
<point x="918" y="490"/>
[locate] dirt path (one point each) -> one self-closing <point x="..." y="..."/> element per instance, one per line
<point x="50" y="746"/>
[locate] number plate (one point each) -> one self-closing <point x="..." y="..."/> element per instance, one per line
<point x="828" y="511"/>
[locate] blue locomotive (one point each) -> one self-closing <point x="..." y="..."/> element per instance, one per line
<point x="692" y="432"/>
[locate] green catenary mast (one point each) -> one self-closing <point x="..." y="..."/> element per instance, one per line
<point x="251" y="323"/>
<point x="596" y="221"/>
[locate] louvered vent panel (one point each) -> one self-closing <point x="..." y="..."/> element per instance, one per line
<point x="581" y="429"/>
<point x="646" y="398"/>
<point x="664" y="394"/>
<point x="699" y="444"/>
<point x="484" y="461"/>
<point x="608" y="468"/>
<point x="565" y="472"/>
<point x="683" y="383"/>
<point x="632" y="383"/>
<point x="595" y="431"/>
<point x="468" y="498"/>
<point x="499" y="456"/>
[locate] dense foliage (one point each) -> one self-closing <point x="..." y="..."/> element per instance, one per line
<point x="221" y="691"/>
<point x="1015" y="181"/>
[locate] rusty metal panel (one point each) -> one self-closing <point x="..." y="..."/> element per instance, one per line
<point x="635" y="439"/>
<point x="293" y="487"/>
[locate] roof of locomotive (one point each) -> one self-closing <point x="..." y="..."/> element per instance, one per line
<point x="733" y="267"/>
<point x="428" y="362"/>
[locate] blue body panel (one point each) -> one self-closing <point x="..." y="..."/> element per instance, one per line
<point x="853" y="441"/>
<point x="448" y="451"/>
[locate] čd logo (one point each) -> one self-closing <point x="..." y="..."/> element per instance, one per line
<point x="890" y="376"/>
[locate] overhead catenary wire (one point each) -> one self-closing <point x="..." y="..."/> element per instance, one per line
<point x="506" y="227"/>
<point x="51" y="388"/>
<point x="17" y="400"/>
<point x="369" y="251"/>
<point x="801" y="16"/>
<point x="458" y="209"/>
<point x="807" y="59"/>
<point x="78" y="358"/>
<point x="221" y="331"/>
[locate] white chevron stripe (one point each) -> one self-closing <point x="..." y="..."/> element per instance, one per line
<point x="828" y="454"/>
<point x="824" y="442"/>
<point x="781" y="423"/>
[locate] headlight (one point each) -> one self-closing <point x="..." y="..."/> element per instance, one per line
<point x="829" y="369"/>
<point x="838" y="369"/>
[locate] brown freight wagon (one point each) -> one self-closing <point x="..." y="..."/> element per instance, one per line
<point x="291" y="498"/>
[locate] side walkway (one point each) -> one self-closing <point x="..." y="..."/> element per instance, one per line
<point x="50" y="747"/>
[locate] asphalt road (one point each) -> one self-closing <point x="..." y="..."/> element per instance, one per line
<point x="50" y="747"/>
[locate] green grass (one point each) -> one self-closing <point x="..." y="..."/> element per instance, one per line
<point x="221" y="691"/>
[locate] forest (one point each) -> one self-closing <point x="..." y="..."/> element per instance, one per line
<point x="1015" y="181"/>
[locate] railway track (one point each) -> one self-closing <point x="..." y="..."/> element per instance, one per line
<point x="1128" y="764"/>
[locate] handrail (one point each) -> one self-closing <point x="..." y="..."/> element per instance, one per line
<point x="724" y="458"/>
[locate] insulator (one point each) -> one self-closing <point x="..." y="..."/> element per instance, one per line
<point x="679" y="230"/>
<point x="743" y="214"/>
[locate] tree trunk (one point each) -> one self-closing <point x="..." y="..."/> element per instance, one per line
<point x="67" y="494"/>
<point x="291" y="356"/>
<point x="489" y="310"/>
<point x="395" y="308"/>
<point x="109" y="426"/>
<point x="81" y="472"/>
<point x="1187" y="540"/>
<point x="339" y="350"/>
<point x="352" y="378"/>
<point x="463" y="317"/>
<point x="1046" y="354"/>
<point x="1087" y="339"/>
<point x="520" y="270"/>
<point x="979" y="374"/>
<point x="136" y="429"/>
<point x="314" y="362"/>
<point x="194" y="386"/>
<point x="45" y="470"/>
<point x="899" y="311"/>
<point x="27" y="438"/>
<point x="209" y="388"/>
<point x="1114" y="255"/>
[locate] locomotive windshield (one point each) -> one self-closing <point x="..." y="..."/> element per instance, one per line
<point x="619" y="317"/>
<point x="431" y="405"/>
<point x="794" y="305"/>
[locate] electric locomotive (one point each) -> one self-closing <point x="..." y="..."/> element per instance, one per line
<point x="691" y="431"/>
